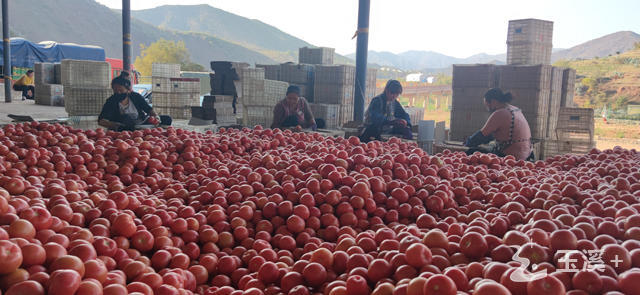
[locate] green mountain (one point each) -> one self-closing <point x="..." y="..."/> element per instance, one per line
<point x="249" y="33"/>
<point x="88" y="22"/>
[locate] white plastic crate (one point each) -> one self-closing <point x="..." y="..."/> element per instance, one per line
<point x="335" y="74"/>
<point x="251" y="73"/>
<point x="164" y="99"/>
<point x="85" y="101"/>
<point x="174" y="112"/>
<point x="330" y="113"/>
<point x="162" y="84"/>
<point x="44" y="73"/>
<point x="318" y="56"/>
<point x="165" y="70"/>
<point x="85" y="74"/>
<point x="84" y="122"/>
<point x="49" y="94"/>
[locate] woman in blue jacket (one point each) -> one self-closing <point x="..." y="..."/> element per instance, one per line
<point x="386" y="115"/>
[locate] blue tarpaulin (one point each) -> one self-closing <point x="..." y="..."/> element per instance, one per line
<point x="25" y="53"/>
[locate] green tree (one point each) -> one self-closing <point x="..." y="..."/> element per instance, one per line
<point x="636" y="45"/>
<point x="590" y="83"/>
<point x="164" y="51"/>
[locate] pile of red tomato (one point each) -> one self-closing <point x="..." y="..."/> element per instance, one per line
<point x="276" y="212"/>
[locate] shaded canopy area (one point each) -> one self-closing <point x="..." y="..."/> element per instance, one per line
<point x="25" y="53"/>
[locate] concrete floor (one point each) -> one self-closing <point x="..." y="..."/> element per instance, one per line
<point x="29" y="108"/>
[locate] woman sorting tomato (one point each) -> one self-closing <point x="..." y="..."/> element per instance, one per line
<point x="506" y="125"/>
<point x="126" y="109"/>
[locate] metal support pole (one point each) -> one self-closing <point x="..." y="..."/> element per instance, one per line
<point x="126" y="35"/>
<point x="361" y="59"/>
<point x="6" y="42"/>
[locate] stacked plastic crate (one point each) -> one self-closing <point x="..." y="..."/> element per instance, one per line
<point x="86" y="87"/>
<point x="574" y="133"/>
<point x="48" y="90"/>
<point x="333" y="91"/>
<point x="568" y="88"/>
<point x="259" y="96"/>
<point x="172" y="95"/>
<point x="316" y="56"/>
<point x="531" y="90"/>
<point x="416" y="114"/>
<point x="301" y="75"/>
<point x="470" y="83"/>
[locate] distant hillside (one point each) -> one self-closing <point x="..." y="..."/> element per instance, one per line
<point x="415" y="60"/>
<point x="95" y="24"/>
<point x="249" y="33"/>
<point x="604" y="46"/>
<point x="612" y="81"/>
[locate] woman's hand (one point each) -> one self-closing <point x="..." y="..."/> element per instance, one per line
<point x="153" y="118"/>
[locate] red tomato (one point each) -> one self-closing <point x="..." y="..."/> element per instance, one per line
<point x="440" y="284"/>
<point x="10" y="257"/>
<point x="64" y="281"/>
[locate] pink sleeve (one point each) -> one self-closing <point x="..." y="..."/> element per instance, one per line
<point x="492" y="124"/>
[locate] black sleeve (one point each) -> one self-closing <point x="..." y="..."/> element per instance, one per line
<point x="110" y="110"/>
<point x="477" y="139"/>
<point x="139" y="101"/>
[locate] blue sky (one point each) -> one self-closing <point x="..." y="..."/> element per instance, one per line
<point x="453" y="27"/>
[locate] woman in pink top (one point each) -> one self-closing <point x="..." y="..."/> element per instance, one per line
<point x="507" y="125"/>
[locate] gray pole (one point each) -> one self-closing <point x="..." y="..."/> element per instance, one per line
<point x="361" y="59"/>
<point x="7" y="50"/>
<point x="126" y="35"/>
